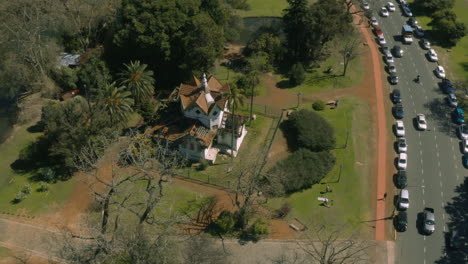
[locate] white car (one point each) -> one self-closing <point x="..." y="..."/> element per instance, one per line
<point x="452" y="100"/>
<point x="400" y="128"/>
<point x="432" y="55"/>
<point x="381" y="39"/>
<point x="440" y="72"/>
<point x="374" y="21"/>
<point x="384" y="12"/>
<point x="402" y="145"/>
<point x="391" y="7"/>
<point x="463" y="131"/>
<point x="365" y="6"/>
<point x="389" y="58"/>
<point x="421" y="120"/>
<point x="402" y="161"/>
<point x="403" y="199"/>
<point x="403" y="2"/>
<point x="465" y="145"/>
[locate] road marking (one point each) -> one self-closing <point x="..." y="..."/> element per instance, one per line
<point x="437" y="145"/>
<point x="440" y="184"/>
<point x="442" y="194"/>
<point x="424" y="202"/>
<point x="438" y="162"/>
<point x="422" y="172"/>
<point x="438" y="156"/>
<point x="424" y="247"/>
<point x="443" y="215"/>
<point x="444" y="228"/>
<point x="420" y="152"/>
<point x="423" y="180"/>
<point x="426" y="97"/>
<point x="457" y="177"/>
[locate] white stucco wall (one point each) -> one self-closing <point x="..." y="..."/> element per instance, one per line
<point x="209" y="120"/>
<point x="225" y="139"/>
<point x="184" y="148"/>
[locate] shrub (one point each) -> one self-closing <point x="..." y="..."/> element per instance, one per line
<point x="47" y="174"/>
<point x="43" y="187"/>
<point x="307" y="129"/>
<point x="26" y="189"/>
<point x="225" y="222"/>
<point x="297" y="74"/>
<point x="318" y="105"/>
<point x="260" y="227"/>
<point x="283" y="211"/>
<point x="20" y="196"/>
<point x="203" y="165"/>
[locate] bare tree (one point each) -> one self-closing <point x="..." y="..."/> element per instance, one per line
<point x="327" y="245"/>
<point x="353" y="6"/>
<point x="349" y="49"/>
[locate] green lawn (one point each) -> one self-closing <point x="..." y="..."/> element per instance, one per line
<point x="264" y="8"/>
<point x="10" y="182"/>
<point x="5" y="252"/>
<point x="350" y="194"/>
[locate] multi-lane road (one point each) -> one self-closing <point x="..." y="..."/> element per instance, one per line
<point x="434" y="158"/>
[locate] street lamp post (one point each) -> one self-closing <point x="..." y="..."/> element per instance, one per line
<point x="299" y="94"/>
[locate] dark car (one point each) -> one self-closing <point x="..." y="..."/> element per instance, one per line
<point x="425" y="44"/>
<point x="401" y="221"/>
<point x="458" y="116"/>
<point x="398" y="111"/>
<point x="401" y="181"/>
<point x="384" y="49"/>
<point x="412" y="22"/>
<point x="393" y="78"/>
<point x="397" y="51"/>
<point x="465" y="160"/>
<point x="396" y="96"/>
<point x="447" y="86"/>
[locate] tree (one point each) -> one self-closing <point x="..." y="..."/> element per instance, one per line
<point x="138" y="80"/>
<point x="236" y="99"/>
<point x="435" y="5"/>
<point x="266" y="43"/>
<point x="349" y="49"/>
<point x="117" y="103"/>
<point x="330" y="245"/>
<point x="93" y="76"/>
<point x="448" y="29"/>
<point x="297" y="74"/>
<point x="297" y="23"/>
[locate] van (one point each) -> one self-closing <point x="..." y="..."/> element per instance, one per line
<point x="403" y="199"/>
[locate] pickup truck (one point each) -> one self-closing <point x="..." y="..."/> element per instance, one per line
<point x="429" y="220"/>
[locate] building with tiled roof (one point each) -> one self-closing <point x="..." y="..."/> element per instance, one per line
<point x="204" y="126"/>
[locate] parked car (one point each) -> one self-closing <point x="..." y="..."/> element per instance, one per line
<point x="384" y="12"/>
<point x="402" y="146"/>
<point x="398" y="111"/>
<point x="458" y="116"/>
<point x="440" y="72"/>
<point x="425" y="44"/>
<point x="401" y="181"/>
<point x="393" y="78"/>
<point x="403" y="3"/>
<point x="465" y="160"/>
<point x="365" y="6"/>
<point x="391" y="7"/>
<point x="447" y="86"/>
<point x="465" y="145"/>
<point x="402" y="161"/>
<point x="463" y="131"/>
<point x="389" y="58"/>
<point x="398" y="51"/>
<point x="399" y="128"/>
<point x="421" y="120"/>
<point x="429" y="220"/>
<point x="373" y="21"/>
<point x="432" y="55"/>
<point x="412" y="22"/>
<point x="401" y="221"/>
<point x="391" y="67"/>
<point x="381" y="40"/>
<point x="396" y="96"/>
<point x="384" y="49"/>
<point x="403" y="199"/>
<point x="378" y="31"/>
<point x="452" y="100"/>
<point x="419" y="31"/>
<point x="406" y="11"/>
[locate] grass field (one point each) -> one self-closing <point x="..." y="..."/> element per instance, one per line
<point x="5" y="252"/>
<point x="10" y="182"/>
<point x="350" y="193"/>
<point x="264" y="8"/>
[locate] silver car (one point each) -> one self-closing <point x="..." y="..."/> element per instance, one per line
<point x="403" y="199"/>
<point x="452" y="100"/>
<point x="429" y="221"/>
<point x="402" y="145"/>
<point x="463" y="131"/>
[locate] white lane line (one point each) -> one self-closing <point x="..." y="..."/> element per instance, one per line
<point x="438" y="162"/>
<point x="424" y="249"/>
<point x="423" y="180"/>
<point x="443" y="215"/>
<point x="440" y="184"/>
<point x="437" y="145"/>
<point x="457" y="177"/>
<point x="442" y="194"/>
<point x="424" y="202"/>
<point x="422" y="172"/>
<point x="425" y="97"/>
<point x="438" y="156"/>
<point x="444" y="228"/>
<point x="423" y="193"/>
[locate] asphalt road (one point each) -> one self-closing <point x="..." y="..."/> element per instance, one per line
<point x="434" y="156"/>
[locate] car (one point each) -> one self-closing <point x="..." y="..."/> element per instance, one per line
<point x="403" y="199"/>
<point x="381" y="40"/>
<point x="393" y="78"/>
<point x="389" y="58"/>
<point x="419" y="31"/>
<point x="373" y="21"/>
<point x="452" y="100"/>
<point x="428" y="220"/>
<point x="401" y="221"/>
<point x="402" y="146"/>
<point x="398" y="51"/>
<point x="391" y="67"/>
<point x="465" y="160"/>
<point x="403" y="3"/>
<point x="401" y="181"/>
<point x="384" y="12"/>
<point x="432" y="55"/>
<point x="365" y="6"/>
<point x="399" y="128"/>
<point x="463" y="131"/>
<point x="412" y="22"/>
<point x="447" y="86"/>
<point x="391" y="7"/>
<point x="406" y="11"/>
<point x="465" y="145"/>
<point x="421" y="121"/>
<point x="439" y="72"/>
<point x="458" y="116"/>
<point x="396" y="96"/>
<point x="398" y="111"/>
<point x="384" y="49"/>
<point x="425" y="44"/>
<point x="402" y="161"/>
<point x="378" y="31"/>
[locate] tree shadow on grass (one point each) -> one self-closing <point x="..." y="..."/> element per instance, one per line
<point x="440" y="112"/>
<point x="36" y="128"/>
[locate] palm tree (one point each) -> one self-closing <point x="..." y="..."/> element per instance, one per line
<point x="117" y="102"/>
<point x="236" y="99"/>
<point x="138" y="80"/>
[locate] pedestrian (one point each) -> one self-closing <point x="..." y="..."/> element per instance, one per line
<point x="385" y="196"/>
<point x="328" y="188"/>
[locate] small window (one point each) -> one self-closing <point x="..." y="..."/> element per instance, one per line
<point x="215" y="113"/>
<point x="198" y="112"/>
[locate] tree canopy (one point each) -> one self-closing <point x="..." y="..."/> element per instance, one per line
<point x="445" y="23"/>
